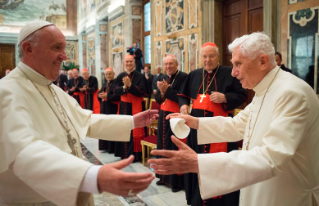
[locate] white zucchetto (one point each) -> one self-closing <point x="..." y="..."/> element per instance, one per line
<point x="30" y="28"/>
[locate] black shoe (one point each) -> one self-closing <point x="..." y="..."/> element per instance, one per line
<point x="159" y="182"/>
<point x="176" y="189"/>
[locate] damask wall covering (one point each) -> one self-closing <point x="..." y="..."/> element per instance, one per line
<point x="176" y="30"/>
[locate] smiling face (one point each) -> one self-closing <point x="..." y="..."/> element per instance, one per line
<point x="49" y="53"/>
<point x="170" y="65"/>
<point x="85" y="75"/>
<point x="247" y="71"/>
<point x="210" y="58"/>
<point x="129" y="63"/>
<point x="109" y="75"/>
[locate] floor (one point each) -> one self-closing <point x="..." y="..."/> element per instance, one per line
<point x="154" y="195"/>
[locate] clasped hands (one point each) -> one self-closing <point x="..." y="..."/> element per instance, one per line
<point x="127" y="82"/>
<point x="103" y="95"/>
<point x="162" y="86"/>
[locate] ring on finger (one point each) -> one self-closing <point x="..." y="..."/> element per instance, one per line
<point x="130" y="193"/>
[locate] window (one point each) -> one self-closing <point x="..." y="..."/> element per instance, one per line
<point x="147" y="32"/>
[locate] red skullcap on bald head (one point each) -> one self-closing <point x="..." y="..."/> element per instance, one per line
<point x="109" y="69"/>
<point x="75" y="69"/>
<point x="85" y="70"/>
<point x="209" y="44"/>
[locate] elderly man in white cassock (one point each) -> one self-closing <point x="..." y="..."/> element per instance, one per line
<point x="278" y="165"/>
<point x="41" y="127"/>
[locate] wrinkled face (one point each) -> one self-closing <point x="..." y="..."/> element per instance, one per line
<point x="158" y="70"/>
<point x="247" y="71"/>
<point x="109" y="75"/>
<point x="170" y="65"/>
<point x="75" y="74"/>
<point x="49" y="53"/>
<point x="278" y="60"/>
<point x="129" y="63"/>
<point x="70" y="74"/>
<point x="210" y="58"/>
<point x="146" y="70"/>
<point x="85" y="75"/>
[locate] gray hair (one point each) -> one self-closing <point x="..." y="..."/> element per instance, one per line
<point x="215" y="47"/>
<point x="253" y="45"/>
<point x="158" y="66"/>
<point x="33" y="39"/>
<point x="172" y="56"/>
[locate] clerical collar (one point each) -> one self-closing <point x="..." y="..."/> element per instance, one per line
<point x="172" y="76"/>
<point x="127" y="72"/>
<point x="33" y="75"/>
<point x="264" y="83"/>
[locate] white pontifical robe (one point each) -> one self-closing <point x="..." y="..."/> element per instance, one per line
<point x="281" y="165"/>
<point x="33" y="142"/>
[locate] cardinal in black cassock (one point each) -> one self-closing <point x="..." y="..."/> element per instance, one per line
<point x="74" y="85"/>
<point x="214" y="93"/>
<point x="90" y="90"/>
<point x="109" y="103"/>
<point x="168" y="87"/>
<point x="132" y="87"/>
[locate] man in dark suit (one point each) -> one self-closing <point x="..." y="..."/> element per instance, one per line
<point x="138" y="55"/>
<point x="149" y="80"/>
<point x="157" y="76"/>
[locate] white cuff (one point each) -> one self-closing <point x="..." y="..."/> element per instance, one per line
<point x="89" y="183"/>
<point x="133" y="125"/>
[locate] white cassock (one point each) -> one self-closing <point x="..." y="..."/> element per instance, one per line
<point x="281" y="166"/>
<point x="33" y="143"/>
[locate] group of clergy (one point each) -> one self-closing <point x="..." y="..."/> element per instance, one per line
<point x="211" y="89"/>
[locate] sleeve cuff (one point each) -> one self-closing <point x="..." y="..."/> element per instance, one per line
<point x="89" y="183"/>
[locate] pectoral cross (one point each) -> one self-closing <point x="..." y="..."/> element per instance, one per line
<point x="202" y="96"/>
<point x="72" y="142"/>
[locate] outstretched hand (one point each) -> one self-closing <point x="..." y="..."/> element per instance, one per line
<point x="190" y="121"/>
<point x="145" y="118"/>
<point x="175" y="162"/>
<point x="111" y="179"/>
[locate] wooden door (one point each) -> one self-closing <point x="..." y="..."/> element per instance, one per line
<point x="7" y="58"/>
<point x="240" y="17"/>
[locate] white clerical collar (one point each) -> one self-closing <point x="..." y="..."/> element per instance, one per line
<point x="34" y="76"/>
<point x="264" y="83"/>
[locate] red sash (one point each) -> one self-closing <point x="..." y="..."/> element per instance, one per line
<point x="218" y="110"/>
<point x="138" y="133"/>
<point x="82" y="98"/>
<point x="170" y="106"/>
<point x="96" y="103"/>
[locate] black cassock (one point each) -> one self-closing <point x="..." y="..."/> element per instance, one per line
<point x="108" y="106"/>
<point x="61" y="81"/>
<point x="92" y="87"/>
<point x="169" y="104"/>
<point x="131" y="102"/>
<point x="224" y="83"/>
<point x="77" y="83"/>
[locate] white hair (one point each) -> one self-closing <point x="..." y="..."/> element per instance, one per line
<point x="172" y="56"/>
<point x="215" y="47"/>
<point x="254" y="45"/>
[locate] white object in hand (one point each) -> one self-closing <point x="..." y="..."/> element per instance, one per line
<point x="179" y="128"/>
